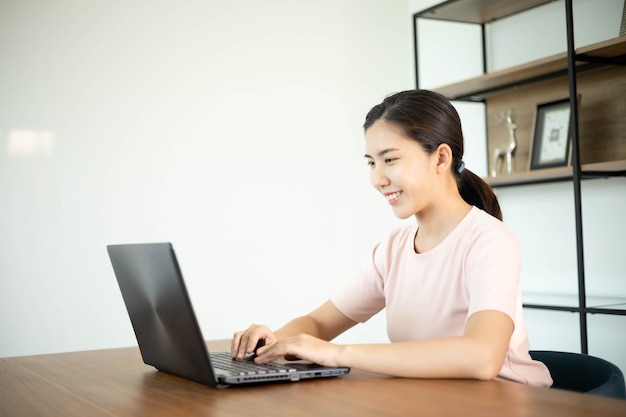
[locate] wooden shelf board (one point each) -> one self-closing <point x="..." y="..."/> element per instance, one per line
<point x="555" y="65"/>
<point x="609" y="48"/>
<point x="478" y="11"/>
<point x="601" y="169"/>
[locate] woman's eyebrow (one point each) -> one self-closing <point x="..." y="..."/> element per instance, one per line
<point x="381" y="153"/>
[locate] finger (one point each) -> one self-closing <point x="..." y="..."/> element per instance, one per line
<point x="255" y="338"/>
<point x="239" y="344"/>
<point x="250" y="338"/>
<point x="254" y="342"/>
<point x="243" y="345"/>
<point x="235" y="343"/>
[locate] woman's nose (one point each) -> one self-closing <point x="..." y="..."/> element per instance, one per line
<point x="378" y="178"/>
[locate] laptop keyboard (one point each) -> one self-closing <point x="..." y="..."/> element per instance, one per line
<point x="224" y="360"/>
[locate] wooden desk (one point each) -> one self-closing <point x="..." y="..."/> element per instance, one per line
<point x="115" y="382"/>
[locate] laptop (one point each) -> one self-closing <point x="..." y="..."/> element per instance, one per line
<point x="167" y="330"/>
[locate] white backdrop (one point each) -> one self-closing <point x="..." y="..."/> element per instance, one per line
<point x="232" y="129"/>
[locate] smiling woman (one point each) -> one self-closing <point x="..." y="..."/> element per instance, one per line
<point x="458" y="257"/>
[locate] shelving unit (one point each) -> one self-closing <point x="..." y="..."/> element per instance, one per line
<point x="599" y="70"/>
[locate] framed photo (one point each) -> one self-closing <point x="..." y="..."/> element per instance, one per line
<point x="551" y="140"/>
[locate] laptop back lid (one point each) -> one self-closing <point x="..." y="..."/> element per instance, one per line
<point x="160" y="310"/>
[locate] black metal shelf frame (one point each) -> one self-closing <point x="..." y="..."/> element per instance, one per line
<point x="582" y="311"/>
<point x="577" y="175"/>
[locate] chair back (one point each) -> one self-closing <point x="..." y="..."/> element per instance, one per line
<point x="583" y="373"/>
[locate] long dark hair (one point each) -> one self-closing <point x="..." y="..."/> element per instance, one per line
<point x="429" y="119"/>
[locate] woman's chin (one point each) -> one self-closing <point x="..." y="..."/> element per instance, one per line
<point x="401" y="214"/>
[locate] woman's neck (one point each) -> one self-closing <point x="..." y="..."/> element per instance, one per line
<point x="437" y="223"/>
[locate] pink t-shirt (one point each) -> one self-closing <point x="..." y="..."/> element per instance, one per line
<point x="432" y="294"/>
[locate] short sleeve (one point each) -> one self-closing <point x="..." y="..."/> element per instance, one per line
<point x="494" y="273"/>
<point x="363" y="295"/>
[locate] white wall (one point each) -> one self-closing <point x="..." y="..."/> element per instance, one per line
<point x="230" y="128"/>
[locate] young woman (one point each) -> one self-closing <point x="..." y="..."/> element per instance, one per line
<point x="450" y="284"/>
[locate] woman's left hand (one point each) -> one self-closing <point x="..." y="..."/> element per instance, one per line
<point x="304" y="347"/>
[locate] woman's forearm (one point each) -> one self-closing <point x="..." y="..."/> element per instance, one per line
<point x="326" y="322"/>
<point x="299" y="325"/>
<point x="478" y="354"/>
<point x="456" y="357"/>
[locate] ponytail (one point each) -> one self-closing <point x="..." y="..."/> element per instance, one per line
<point x="475" y="191"/>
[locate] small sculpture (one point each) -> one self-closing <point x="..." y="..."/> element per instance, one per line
<point x="505" y="152"/>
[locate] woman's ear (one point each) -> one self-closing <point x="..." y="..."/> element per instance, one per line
<point x="443" y="155"/>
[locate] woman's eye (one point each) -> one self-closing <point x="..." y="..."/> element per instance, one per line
<point x="370" y="163"/>
<point x="390" y="160"/>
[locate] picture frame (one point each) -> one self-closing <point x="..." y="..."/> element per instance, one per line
<point x="551" y="144"/>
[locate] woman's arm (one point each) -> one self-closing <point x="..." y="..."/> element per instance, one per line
<point x="478" y="354"/>
<point x="326" y="322"/>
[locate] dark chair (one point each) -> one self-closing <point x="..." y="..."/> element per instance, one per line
<point x="583" y="373"/>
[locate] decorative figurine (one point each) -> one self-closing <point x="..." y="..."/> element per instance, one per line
<point x="505" y="152"/>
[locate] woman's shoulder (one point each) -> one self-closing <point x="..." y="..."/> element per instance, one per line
<point x="401" y="232"/>
<point x="482" y="220"/>
<point x="486" y="228"/>
<point x="393" y="248"/>
<point x="398" y="237"/>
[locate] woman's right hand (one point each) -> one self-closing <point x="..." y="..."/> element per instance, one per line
<point x="248" y="341"/>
